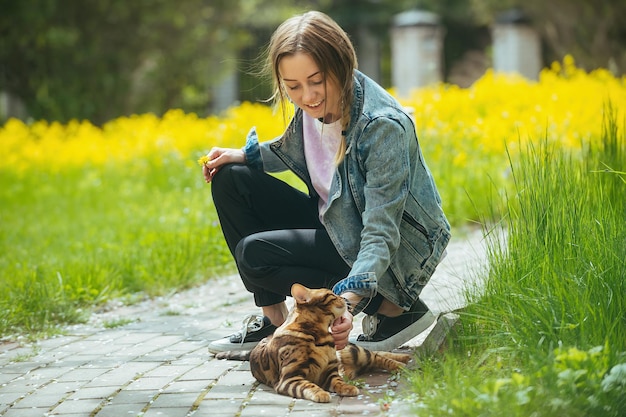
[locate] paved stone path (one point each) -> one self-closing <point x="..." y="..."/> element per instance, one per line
<point x="150" y="359"/>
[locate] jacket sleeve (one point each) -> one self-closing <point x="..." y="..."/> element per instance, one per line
<point x="259" y="155"/>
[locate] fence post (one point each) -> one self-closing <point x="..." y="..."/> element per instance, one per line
<point x="225" y="93"/>
<point x="516" y="45"/>
<point x="11" y="106"/>
<point x="368" y="52"/>
<point x="416" y="50"/>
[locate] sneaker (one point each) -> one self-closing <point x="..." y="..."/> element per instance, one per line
<point x="254" y="329"/>
<point x="388" y="333"/>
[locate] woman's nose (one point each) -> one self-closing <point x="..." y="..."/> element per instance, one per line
<point x="307" y="95"/>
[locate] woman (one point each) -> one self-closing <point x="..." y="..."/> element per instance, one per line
<point x="371" y="226"/>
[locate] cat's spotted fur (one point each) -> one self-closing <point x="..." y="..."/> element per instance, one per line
<point x="300" y="359"/>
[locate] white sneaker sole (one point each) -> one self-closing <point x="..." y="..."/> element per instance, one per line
<point x="401" y="337"/>
<point x="225" y="345"/>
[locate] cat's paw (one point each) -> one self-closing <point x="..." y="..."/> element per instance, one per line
<point x="318" y="396"/>
<point x="347" y="390"/>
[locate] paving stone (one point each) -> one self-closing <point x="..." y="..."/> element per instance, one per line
<point x="215" y="406"/>
<point x="37" y="400"/>
<point x="161" y="356"/>
<point x="208" y="370"/>
<point x="214" y="413"/>
<point x="8" y="398"/>
<point x="188" y="386"/>
<point x="56" y="342"/>
<point x="132" y="397"/>
<point x="46" y="374"/>
<point x="314" y="413"/>
<point x="59" y="389"/>
<point x="237" y="378"/>
<point x="82" y="407"/>
<point x="362" y="404"/>
<point x="270" y="397"/>
<point x="306" y="405"/>
<point x="6" y="378"/>
<point x="74" y="361"/>
<point x="169" y="370"/>
<point x="167" y="412"/>
<point x="156" y="383"/>
<point x="122" y="375"/>
<point x="92" y="393"/>
<point x="228" y="392"/>
<point x="21" y="385"/>
<point x="120" y="410"/>
<point x="134" y="351"/>
<point x="26" y="412"/>
<point x="185" y="346"/>
<point x="253" y="410"/>
<point x="82" y="374"/>
<point x="101" y="347"/>
<point x="134" y="338"/>
<point x="175" y="400"/>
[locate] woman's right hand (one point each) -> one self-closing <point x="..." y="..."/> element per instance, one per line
<point x="218" y="157"/>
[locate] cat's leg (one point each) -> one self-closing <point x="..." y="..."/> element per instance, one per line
<point x="389" y="361"/>
<point x="338" y="385"/>
<point x="356" y="360"/>
<point x="298" y="387"/>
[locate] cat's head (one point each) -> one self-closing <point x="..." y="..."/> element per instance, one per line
<point x="323" y="300"/>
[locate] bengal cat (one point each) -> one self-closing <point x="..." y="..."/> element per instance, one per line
<point x="300" y="359"/>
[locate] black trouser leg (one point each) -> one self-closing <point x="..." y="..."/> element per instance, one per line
<point x="274" y="234"/>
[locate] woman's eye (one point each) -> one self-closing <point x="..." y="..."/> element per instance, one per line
<point x="292" y="87"/>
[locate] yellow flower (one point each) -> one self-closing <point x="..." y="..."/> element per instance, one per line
<point x="202" y="161"/>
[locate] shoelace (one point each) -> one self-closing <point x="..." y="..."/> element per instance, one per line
<point x="251" y="323"/>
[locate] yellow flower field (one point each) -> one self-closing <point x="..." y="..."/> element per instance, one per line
<point x="54" y="146"/>
<point x="501" y="110"/>
<point x="461" y="124"/>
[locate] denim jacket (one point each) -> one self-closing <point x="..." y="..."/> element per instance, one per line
<point x="384" y="212"/>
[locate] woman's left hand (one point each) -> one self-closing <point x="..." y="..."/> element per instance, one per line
<point x="340" y="329"/>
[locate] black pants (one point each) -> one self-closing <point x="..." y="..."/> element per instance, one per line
<point x="274" y="233"/>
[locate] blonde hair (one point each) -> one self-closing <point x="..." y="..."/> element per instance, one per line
<point x="317" y="35"/>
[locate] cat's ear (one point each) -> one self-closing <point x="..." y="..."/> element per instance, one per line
<point x="300" y="293"/>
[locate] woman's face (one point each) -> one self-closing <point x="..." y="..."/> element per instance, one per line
<point x="304" y="84"/>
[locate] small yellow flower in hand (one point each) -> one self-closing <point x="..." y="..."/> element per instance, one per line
<point x="202" y="161"/>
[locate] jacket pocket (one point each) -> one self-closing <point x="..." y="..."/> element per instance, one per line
<point x="415" y="246"/>
<point x="408" y="263"/>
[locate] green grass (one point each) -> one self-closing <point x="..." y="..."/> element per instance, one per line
<point x="121" y="322"/>
<point x="547" y="334"/>
<point x="74" y="240"/>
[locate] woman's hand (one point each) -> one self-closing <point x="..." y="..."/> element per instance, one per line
<point x="340" y="329"/>
<point x="218" y="157"/>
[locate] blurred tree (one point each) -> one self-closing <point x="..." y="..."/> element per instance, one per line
<point x="593" y="32"/>
<point x="99" y="59"/>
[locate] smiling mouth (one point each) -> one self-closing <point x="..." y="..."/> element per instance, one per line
<point x="315" y="105"/>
